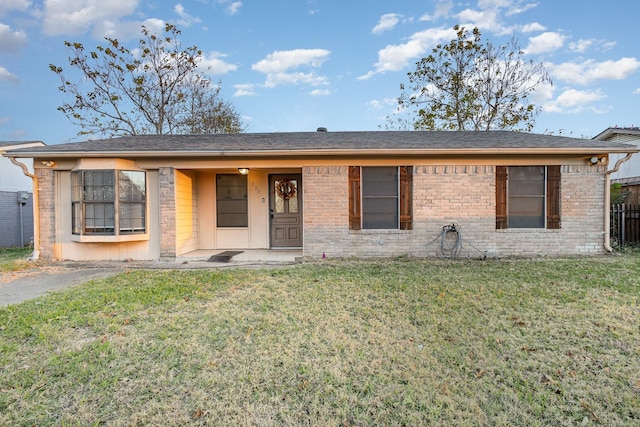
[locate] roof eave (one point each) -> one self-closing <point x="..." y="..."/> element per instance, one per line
<point x="329" y="152"/>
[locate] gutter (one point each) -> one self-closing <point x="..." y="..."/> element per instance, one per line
<point x="311" y="152"/>
<point x="607" y="202"/>
<point x="36" y="208"/>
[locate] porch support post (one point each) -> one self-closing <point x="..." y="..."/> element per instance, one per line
<point x="44" y="187"/>
<point x="167" y="213"/>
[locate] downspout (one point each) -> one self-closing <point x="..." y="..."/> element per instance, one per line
<point x="36" y="208"/>
<point x="607" y="202"/>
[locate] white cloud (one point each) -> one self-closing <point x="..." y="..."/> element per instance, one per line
<point x="532" y="28"/>
<point x="443" y="9"/>
<point x="581" y="45"/>
<point x="517" y="9"/>
<point x="79" y="16"/>
<point x="9" y="5"/>
<point x="397" y="57"/>
<point x="278" y="65"/>
<point x="545" y="42"/>
<point x="589" y="71"/>
<point x="483" y="19"/>
<point x="573" y="97"/>
<point x="282" y="60"/>
<point x="232" y="7"/>
<point x="4" y="120"/>
<point x="127" y="30"/>
<point x="246" y="89"/>
<point x="574" y="101"/>
<point x="387" y="22"/>
<point x="11" y="41"/>
<point x="637" y="91"/>
<point x="185" y="20"/>
<point x="212" y="63"/>
<point x="320" y="92"/>
<point x="6" y="75"/>
<point x="376" y="104"/>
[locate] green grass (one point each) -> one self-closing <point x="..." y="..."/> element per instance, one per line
<point x="13" y="259"/>
<point x="525" y="342"/>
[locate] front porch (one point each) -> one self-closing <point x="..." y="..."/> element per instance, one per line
<point x="246" y="256"/>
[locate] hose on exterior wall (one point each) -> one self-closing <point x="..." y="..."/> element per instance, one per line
<point x="451" y="244"/>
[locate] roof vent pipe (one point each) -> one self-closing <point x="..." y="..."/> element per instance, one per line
<point x="321" y="129"/>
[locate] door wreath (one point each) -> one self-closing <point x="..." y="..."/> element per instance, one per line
<point x="285" y="189"/>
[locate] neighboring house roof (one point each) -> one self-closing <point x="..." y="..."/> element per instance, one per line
<point x="380" y="143"/>
<point x="11" y="145"/>
<point x="616" y="134"/>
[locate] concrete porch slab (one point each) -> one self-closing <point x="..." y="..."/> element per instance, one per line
<point x="247" y="255"/>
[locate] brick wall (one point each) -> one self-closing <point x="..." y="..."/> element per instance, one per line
<point x="167" y="213"/>
<point x="446" y="194"/>
<point x="16" y="220"/>
<point x="46" y="212"/>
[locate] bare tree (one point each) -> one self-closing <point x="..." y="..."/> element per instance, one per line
<point x="156" y="88"/>
<point x="468" y="85"/>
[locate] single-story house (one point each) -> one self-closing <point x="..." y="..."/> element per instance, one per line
<point x="16" y="199"/>
<point x="334" y="194"/>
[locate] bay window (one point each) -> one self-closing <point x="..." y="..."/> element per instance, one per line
<point x="108" y="202"/>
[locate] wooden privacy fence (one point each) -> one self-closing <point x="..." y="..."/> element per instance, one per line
<point x="625" y="224"/>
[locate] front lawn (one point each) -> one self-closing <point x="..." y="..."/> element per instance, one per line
<point x="344" y="343"/>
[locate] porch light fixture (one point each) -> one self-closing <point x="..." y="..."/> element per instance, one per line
<point x="243" y="171"/>
<point x="48" y="163"/>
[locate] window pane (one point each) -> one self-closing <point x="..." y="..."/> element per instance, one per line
<point x="293" y="198"/>
<point x="380" y="198"/>
<point x="98" y="186"/>
<point x="526" y="212"/>
<point x="286" y="195"/>
<point x="99" y="218"/>
<point x="132" y="186"/>
<point x="76" y="218"/>
<point x="76" y="186"/>
<point x="231" y="198"/>
<point x="380" y="213"/>
<point x="380" y="181"/>
<point x="132" y="217"/>
<point x="526" y="200"/>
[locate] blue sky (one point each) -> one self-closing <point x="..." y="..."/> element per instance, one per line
<point x="295" y="65"/>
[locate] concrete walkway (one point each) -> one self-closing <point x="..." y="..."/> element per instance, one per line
<point x="19" y="286"/>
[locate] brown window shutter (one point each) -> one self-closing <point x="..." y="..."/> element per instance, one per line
<point x="501" y="197"/>
<point x="354" y="198"/>
<point x="553" y="197"/>
<point x="406" y="197"/>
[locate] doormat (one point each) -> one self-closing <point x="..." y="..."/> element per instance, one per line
<point x="224" y="256"/>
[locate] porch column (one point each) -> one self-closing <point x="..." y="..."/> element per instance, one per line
<point x="46" y="213"/>
<point x="167" y="213"/>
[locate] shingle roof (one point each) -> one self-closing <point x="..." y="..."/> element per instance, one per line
<point x="624" y="134"/>
<point x="319" y="143"/>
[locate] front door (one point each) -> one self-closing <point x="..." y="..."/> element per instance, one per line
<point x="286" y="210"/>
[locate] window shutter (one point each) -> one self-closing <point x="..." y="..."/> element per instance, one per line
<point x="354" y="198"/>
<point x="553" y="197"/>
<point x="501" y="197"/>
<point x="406" y="197"/>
